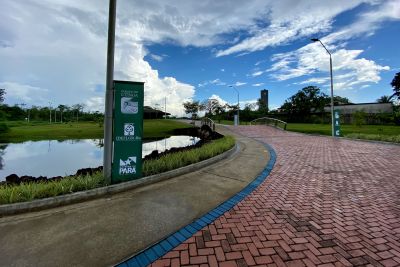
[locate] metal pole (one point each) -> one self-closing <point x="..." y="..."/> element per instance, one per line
<point x="330" y="61"/>
<point x="108" y="114"/>
<point x="237" y="91"/>
<point x="165" y="104"/>
<point x="238" y="107"/>
<point x="330" y="65"/>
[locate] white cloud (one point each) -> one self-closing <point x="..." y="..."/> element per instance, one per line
<point x="62" y="46"/>
<point x="17" y="93"/>
<point x="291" y="21"/>
<point x="219" y="99"/>
<point x="257" y="73"/>
<point x="349" y="70"/>
<point x="156" y="57"/>
<point x="367" y="23"/>
<point x="258" y="84"/>
<point x="202" y="84"/>
<point x="315" y="81"/>
<point x="95" y="103"/>
<point x="217" y="82"/>
<point x="223" y="70"/>
<point x="213" y="82"/>
<point x="239" y="83"/>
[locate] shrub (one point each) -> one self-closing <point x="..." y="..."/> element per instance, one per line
<point x="3" y="127"/>
<point x="359" y="118"/>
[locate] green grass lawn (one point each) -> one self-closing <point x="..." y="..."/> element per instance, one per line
<point x="388" y="133"/>
<point x="325" y="129"/>
<point x="20" y="132"/>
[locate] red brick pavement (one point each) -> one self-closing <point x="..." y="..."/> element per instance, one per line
<point x="326" y="203"/>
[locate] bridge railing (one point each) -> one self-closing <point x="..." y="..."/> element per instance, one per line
<point x="269" y="121"/>
<point x="209" y="122"/>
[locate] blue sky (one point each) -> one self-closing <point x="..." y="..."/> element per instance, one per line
<point x="55" y="51"/>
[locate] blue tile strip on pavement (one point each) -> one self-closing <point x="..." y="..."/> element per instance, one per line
<point x="156" y="251"/>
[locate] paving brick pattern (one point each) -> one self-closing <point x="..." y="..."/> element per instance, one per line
<point x="326" y="203"/>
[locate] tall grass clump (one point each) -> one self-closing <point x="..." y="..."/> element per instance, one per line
<point x="30" y="191"/>
<point x="180" y="159"/>
<point x="376" y="137"/>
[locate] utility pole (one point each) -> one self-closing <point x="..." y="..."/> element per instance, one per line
<point x="109" y="98"/>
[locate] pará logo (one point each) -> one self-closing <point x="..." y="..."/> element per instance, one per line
<point x="127" y="166"/>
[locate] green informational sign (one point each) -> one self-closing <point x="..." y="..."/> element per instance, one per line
<point x="127" y="131"/>
<point x="336" y="123"/>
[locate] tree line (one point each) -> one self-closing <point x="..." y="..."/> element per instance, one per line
<point x="61" y="113"/>
<point x="307" y="105"/>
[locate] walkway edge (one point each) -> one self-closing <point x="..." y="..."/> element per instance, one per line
<point x="40" y="204"/>
<point x="159" y="249"/>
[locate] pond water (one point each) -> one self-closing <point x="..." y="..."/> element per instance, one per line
<point x="54" y="158"/>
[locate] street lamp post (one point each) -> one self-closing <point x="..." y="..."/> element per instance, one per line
<point x="330" y="65"/>
<point x="237" y="103"/>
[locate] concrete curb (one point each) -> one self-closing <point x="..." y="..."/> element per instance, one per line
<point x="40" y="204"/>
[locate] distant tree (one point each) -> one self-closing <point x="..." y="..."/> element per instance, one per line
<point x="338" y="100"/>
<point x="77" y="108"/>
<point x="262" y="108"/>
<point x="305" y="101"/>
<point x="192" y="107"/>
<point x="211" y="106"/>
<point x="396" y="85"/>
<point x="2" y="93"/>
<point x="231" y="108"/>
<point x="62" y="108"/>
<point x="384" y="99"/>
<point x="3" y="114"/>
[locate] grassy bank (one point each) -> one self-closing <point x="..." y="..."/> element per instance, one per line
<point x="390" y="133"/>
<point x="180" y="159"/>
<point x="20" y="132"/>
<point x="31" y="191"/>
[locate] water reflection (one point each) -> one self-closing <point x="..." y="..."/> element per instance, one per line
<point x="65" y="157"/>
<point x="2" y="148"/>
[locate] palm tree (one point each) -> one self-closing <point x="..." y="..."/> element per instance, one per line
<point x="384" y="99"/>
<point x="62" y="108"/>
<point x="396" y="85"/>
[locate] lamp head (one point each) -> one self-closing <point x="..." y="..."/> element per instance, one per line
<point x="315" y="39"/>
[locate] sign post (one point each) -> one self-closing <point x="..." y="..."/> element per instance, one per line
<point x="336" y="123"/>
<point x="128" y="131"/>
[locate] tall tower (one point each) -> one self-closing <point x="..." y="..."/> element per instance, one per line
<point x="264" y="97"/>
